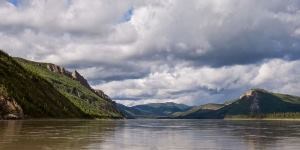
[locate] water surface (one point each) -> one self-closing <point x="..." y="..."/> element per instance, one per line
<point x="148" y="134"/>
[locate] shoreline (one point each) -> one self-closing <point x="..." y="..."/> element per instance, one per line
<point x="87" y="119"/>
<point x="267" y="119"/>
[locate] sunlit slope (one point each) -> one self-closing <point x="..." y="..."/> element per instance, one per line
<point x="78" y="94"/>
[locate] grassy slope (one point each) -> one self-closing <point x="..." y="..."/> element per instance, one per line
<point x="80" y="96"/>
<point x="35" y="95"/>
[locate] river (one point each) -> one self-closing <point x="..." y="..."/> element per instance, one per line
<point x="148" y="134"/>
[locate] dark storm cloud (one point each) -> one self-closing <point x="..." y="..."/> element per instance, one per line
<point x="249" y="35"/>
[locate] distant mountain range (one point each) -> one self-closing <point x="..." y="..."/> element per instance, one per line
<point x="41" y="90"/>
<point x="255" y="103"/>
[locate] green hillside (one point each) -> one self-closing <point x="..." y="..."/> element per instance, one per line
<point x="22" y="91"/>
<point x="78" y="94"/>
<point x="256" y="103"/>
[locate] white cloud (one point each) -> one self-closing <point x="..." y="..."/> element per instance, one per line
<point x="279" y="76"/>
<point x="202" y="85"/>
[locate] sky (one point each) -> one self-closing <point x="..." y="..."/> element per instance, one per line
<point x="144" y="51"/>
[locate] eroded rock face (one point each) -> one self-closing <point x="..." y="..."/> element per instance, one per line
<point x="101" y="94"/>
<point x="74" y="75"/>
<point x="58" y="69"/>
<point x="254" y="98"/>
<point x="10" y="109"/>
<point x="81" y="79"/>
<point x="252" y="93"/>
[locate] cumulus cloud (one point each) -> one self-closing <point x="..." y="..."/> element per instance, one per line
<point x="197" y="85"/>
<point x="155" y="51"/>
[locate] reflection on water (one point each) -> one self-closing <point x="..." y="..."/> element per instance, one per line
<point x="148" y="134"/>
<point x="72" y="134"/>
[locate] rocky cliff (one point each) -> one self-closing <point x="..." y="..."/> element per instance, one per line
<point x="10" y="109"/>
<point x="80" y="79"/>
<point x="101" y="94"/>
<point x="253" y="97"/>
<point x="74" y="75"/>
<point x="58" y="69"/>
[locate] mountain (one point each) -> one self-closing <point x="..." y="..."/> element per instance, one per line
<point x="153" y="110"/>
<point x="41" y="90"/>
<point x="255" y="103"/>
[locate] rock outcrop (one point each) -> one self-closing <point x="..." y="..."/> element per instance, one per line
<point x="81" y="79"/>
<point x="78" y="77"/>
<point x="59" y="70"/>
<point x="101" y="94"/>
<point x="253" y="97"/>
<point x="10" y="109"/>
<point x="74" y="75"/>
<point x="252" y="92"/>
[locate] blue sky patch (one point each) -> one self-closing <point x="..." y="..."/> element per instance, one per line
<point x="127" y="15"/>
<point x="14" y="2"/>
